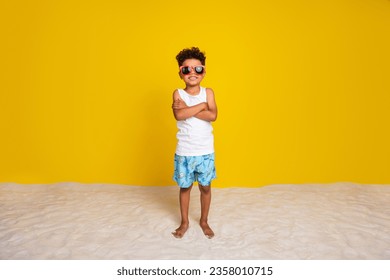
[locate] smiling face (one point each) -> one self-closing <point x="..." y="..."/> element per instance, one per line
<point x="192" y="79"/>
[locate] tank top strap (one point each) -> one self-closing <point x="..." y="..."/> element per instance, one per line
<point x="203" y="94"/>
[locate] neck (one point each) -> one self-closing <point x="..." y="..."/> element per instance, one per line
<point x="192" y="89"/>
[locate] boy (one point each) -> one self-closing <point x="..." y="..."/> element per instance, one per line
<point x="194" y="109"/>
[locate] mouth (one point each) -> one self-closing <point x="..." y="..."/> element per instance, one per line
<point x="192" y="78"/>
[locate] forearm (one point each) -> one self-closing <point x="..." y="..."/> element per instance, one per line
<point x="207" y="115"/>
<point x="188" y="112"/>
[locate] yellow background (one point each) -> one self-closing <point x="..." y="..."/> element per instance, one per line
<point x="302" y="89"/>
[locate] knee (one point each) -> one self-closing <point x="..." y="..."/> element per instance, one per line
<point x="204" y="189"/>
<point x="184" y="190"/>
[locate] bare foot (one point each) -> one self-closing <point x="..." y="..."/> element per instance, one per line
<point x="180" y="231"/>
<point x="207" y="230"/>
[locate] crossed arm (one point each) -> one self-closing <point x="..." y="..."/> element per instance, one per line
<point x="206" y="111"/>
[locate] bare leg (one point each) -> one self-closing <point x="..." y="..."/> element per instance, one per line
<point x="205" y="200"/>
<point x="184" y="197"/>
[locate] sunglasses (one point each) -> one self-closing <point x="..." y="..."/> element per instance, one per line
<point x="185" y="70"/>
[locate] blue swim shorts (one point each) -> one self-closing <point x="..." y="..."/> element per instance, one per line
<point x="189" y="169"/>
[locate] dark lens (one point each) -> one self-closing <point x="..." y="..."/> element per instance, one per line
<point x="199" y="69"/>
<point x="185" y="70"/>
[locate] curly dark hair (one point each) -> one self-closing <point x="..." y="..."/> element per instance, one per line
<point x="191" y="53"/>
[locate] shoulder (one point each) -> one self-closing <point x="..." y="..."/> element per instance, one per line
<point x="176" y="94"/>
<point x="209" y="92"/>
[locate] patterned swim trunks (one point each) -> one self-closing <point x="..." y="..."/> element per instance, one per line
<point x="189" y="169"/>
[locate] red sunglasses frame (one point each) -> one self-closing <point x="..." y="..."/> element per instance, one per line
<point x="192" y="68"/>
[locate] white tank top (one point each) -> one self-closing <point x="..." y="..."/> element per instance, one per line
<point x="195" y="136"/>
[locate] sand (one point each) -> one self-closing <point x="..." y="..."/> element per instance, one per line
<point x="111" y="222"/>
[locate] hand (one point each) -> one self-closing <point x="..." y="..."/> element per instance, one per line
<point x="179" y="104"/>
